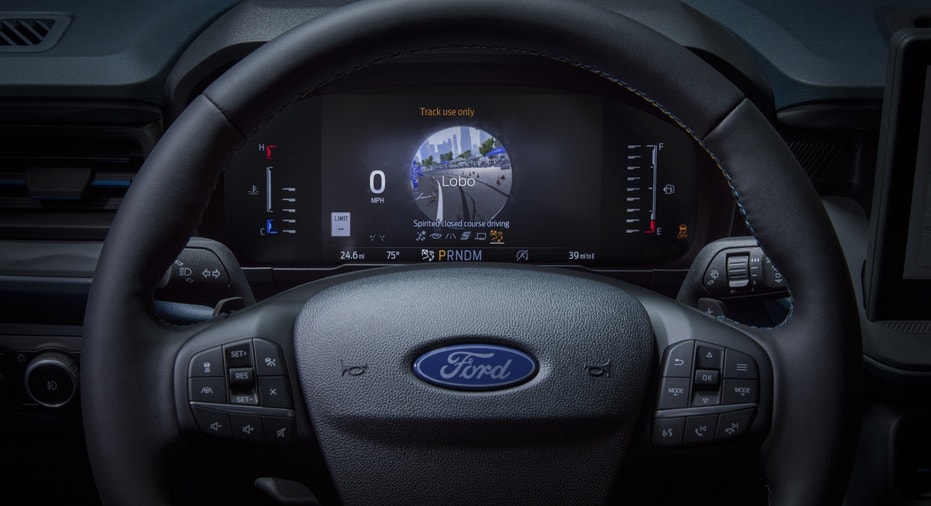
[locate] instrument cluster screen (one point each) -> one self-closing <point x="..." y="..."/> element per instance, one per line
<point x="458" y="175"/>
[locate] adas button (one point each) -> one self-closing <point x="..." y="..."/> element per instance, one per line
<point x="475" y="367"/>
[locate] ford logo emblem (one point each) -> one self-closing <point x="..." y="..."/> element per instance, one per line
<point x="475" y="367"/>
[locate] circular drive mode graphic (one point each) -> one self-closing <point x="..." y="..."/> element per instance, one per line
<point x="461" y="173"/>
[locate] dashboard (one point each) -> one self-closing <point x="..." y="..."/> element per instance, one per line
<point x="459" y="158"/>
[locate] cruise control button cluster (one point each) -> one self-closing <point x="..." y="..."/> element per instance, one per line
<point x="250" y="373"/>
<point x="700" y="381"/>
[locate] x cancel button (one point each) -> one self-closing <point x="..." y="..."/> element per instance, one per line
<point x="275" y="392"/>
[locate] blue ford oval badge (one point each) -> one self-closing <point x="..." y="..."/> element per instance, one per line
<point x="475" y="367"/>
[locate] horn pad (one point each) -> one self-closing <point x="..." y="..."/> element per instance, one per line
<point x="390" y="433"/>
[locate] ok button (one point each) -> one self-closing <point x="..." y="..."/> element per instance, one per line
<point x="707" y="378"/>
<point x="242" y="377"/>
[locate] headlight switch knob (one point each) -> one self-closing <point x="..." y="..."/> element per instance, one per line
<point x="52" y="379"/>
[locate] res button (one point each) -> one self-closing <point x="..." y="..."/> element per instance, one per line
<point x="242" y="377"/>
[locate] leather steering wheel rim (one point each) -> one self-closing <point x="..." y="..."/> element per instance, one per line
<point x="127" y="393"/>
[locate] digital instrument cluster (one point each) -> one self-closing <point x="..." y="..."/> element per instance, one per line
<point x="463" y="175"/>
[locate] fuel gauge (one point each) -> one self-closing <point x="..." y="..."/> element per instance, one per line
<point x="651" y="195"/>
<point x="642" y="182"/>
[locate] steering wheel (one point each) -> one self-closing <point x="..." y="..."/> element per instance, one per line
<point x="586" y="414"/>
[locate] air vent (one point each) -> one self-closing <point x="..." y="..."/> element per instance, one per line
<point x="30" y="32"/>
<point x="816" y="157"/>
<point x="65" y="186"/>
<point x="838" y="163"/>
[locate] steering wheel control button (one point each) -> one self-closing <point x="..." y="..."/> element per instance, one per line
<point x="737" y="391"/>
<point x="667" y="432"/>
<point x="734" y="424"/>
<point x="739" y="365"/>
<point x="52" y="379"/>
<point x="248" y="372"/>
<point x="706" y="398"/>
<point x="247" y="428"/>
<point x="708" y="357"/>
<point x="280" y="432"/>
<point x="678" y="363"/>
<point x="275" y="392"/>
<point x="207" y="364"/>
<point x="738" y="270"/>
<point x="772" y="278"/>
<point x="246" y="398"/>
<point x="715" y="279"/>
<point x="207" y="390"/>
<point x="700" y="429"/>
<point x="241" y="378"/>
<point x="707" y="379"/>
<point x="755" y="267"/>
<point x="674" y="393"/>
<point x="268" y="359"/>
<point x="213" y="423"/>
<point x="238" y="354"/>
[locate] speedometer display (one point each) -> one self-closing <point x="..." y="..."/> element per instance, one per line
<point x="464" y="175"/>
